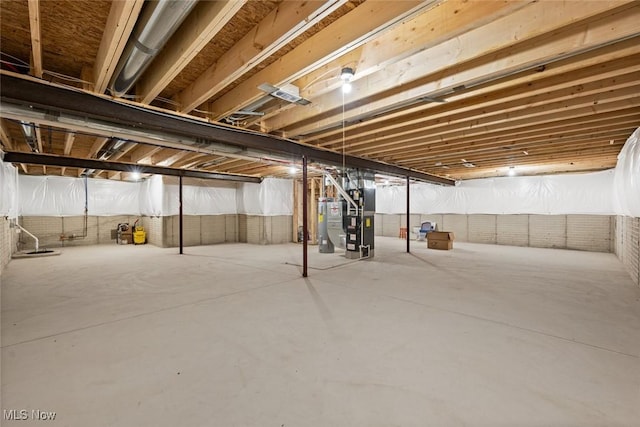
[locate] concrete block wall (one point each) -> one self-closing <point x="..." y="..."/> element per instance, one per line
<point x="627" y="245"/>
<point x="153" y="226"/>
<point x="581" y="232"/>
<point x="6" y="242"/>
<point x="265" y="230"/>
<point x="48" y="229"/>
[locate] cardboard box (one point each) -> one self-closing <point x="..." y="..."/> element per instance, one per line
<point x="442" y="240"/>
<point x="444" y="245"/>
<point x="126" y="238"/>
<point x="440" y="235"/>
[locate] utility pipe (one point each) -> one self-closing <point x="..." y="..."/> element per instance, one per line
<point x="34" y="237"/>
<point x="180" y="204"/>
<point x="408" y="218"/>
<point x="159" y="20"/>
<point x="305" y="226"/>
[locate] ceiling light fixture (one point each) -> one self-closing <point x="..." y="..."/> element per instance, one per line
<point x="292" y="170"/>
<point x="135" y="176"/>
<point x="512" y="171"/>
<point x="346" y="75"/>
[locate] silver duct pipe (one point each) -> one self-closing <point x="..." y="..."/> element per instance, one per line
<point x="159" y="20"/>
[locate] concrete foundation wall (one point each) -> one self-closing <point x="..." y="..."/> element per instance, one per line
<point x="6" y="242"/>
<point x="49" y="229"/>
<point x="161" y="231"/>
<point x="593" y="233"/>
<point x="627" y="244"/>
<point x="265" y="230"/>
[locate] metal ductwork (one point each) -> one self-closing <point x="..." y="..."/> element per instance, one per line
<point x="159" y="20"/>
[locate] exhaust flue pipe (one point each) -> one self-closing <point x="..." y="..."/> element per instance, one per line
<point x="159" y="20"/>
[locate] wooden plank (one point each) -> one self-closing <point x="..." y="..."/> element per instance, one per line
<point x="4" y="136"/>
<point x="611" y="62"/>
<point x="198" y="29"/>
<point x="38" y="133"/>
<point x="68" y="142"/>
<point x="122" y="18"/>
<point x="541" y="103"/>
<point x="313" y="202"/>
<point x="286" y="22"/>
<point x="338" y="38"/>
<point x="607" y="101"/>
<point x="143" y="153"/>
<point x="36" y="41"/>
<point x="294" y="217"/>
<point x="97" y="146"/>
<point x="455" y="63"/>
<point x="433" y="26"/>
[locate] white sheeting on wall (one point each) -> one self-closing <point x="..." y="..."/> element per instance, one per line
<point x="108" y="197"/>
<point x="8" y="190"/>
<point x="627" y="178"/>
<point x="65" y="196"/>
<point x="555" y="194"/>
<point x="199" y="200"/>
<point x="50" y="196"/>
<point x="271" y="197"/>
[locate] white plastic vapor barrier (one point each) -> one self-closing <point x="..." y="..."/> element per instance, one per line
<point x="152" y="196"/>
<point x="65" y="196"/>
<point x="51" y="196"/>
<point x="199" y="200"/>
<point x="555" y="194"/>
<point x="8" y="190"/>
<point x="108" y="197"/>
<point x="627" y="177"/>
<point x="271" y="197"/>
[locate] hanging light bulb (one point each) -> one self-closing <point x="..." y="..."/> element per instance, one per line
<point x="512" y="171"/>
<point x="346" y="74"/>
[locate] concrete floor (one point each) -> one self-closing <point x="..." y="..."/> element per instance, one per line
<point x="231" y="335"/>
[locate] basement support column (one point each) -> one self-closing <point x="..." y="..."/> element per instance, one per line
<point x="305" y="214"/>
<point x="180" y="220"/>
<point x="408" y="218"/>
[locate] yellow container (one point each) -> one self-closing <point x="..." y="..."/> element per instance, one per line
<point x="139" y="236"/>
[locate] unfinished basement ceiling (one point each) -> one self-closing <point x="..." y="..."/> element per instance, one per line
<point x="457" y="89"/>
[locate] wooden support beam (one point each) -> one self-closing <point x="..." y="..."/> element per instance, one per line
<point x="68" y="142"/>
<point x="562" y="99"/>
<point x="198" y="29"/>
<point x="436" y="25"/>
<point x="97" y="145"/>
<point x="38" y="132"/>
<point x="24" y="168"/>
<point x="286" y="22"/>
<point x="338" y="38"/>
<point x="534" y="116"/>
<point x="313" y="199"/>
<point x="122" y="18"/>
<point x="4" y="136"/>
<point x="294" y="218"/>
<point x="625" y="60"/>
<point x="36" y="41"/>
<point x="544" y="32"/>
<point x="143" y="153"/>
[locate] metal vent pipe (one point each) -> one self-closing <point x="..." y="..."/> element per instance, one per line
<point x="159" y="20"/>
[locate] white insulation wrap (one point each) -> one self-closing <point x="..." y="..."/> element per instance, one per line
<point x="64" y="196"/>
<point x="199" y="200"/>
<point x="555" y="194"/>
<point x="627" y="177"/>
<point x="270" y="198"/>
<point x="8" y="190"/>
